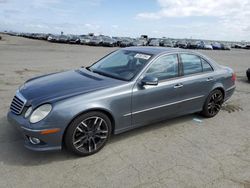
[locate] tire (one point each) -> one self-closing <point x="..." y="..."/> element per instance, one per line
<point x="213" y="104"/>
<point x="88" y="133"/>
<point x="248" y="74"/>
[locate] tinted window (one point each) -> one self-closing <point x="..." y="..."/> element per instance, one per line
<point x="164" y="67"/>
<point x="206" y="66"/>
<point x="191" y="64"/>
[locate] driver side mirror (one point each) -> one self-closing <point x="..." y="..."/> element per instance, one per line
<point x="149" y="80"/>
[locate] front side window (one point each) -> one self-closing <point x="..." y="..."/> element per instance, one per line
<point x="165" y="67"/>
<point x="191" y="64"/>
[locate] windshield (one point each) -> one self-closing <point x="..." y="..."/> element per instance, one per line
<point x="121" y="64"/>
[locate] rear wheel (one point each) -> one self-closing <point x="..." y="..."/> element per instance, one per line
<point x="88" y="133"/>
<point x="213" y="104"/>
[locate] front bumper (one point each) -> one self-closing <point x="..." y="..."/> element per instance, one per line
<point x="49" y="142"/>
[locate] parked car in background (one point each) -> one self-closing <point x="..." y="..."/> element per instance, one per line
<point x="247" y="46"/>
<point x="139" y="42"/>
<point x="108" y="41"/>
<point x="248" y="74"/>
<point x="52" y="38"/>
<point x="225" y="47"/>
<point x="216" y="46"/>
<point x="181" y="44"/>
<point x="238" y="46"/>
<point x="96" y="41"/>
<point x="166" y="43"/>
<point x="126" y="89"/>
<point x="63" y="39"/>
<point x="205" y="46"/>
<point x="40" y="36"/>
<point x="74" y="39"/>
<point x="85" y="39"/>
<point x="126" y="42"/>
<point x="118" y="40"/>
<point x="0" y="38"/>
<point x="192" y="45"/>
<point x="154" y="42"/>
<point x="58" y="38"/>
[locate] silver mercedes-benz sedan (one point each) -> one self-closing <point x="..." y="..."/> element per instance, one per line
<point x="126" y="89"/>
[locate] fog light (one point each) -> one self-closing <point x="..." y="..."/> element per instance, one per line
<point x="34" y="140"/>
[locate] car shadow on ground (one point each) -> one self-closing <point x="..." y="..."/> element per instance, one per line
<point x="14" y="153"/>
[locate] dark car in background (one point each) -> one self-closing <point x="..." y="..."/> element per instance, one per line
<point x="247" y="46"/>
<point x="192" y="45"/>
<point x="216" y="46"/>
<point x="63" y="39"/>
<point x="74" y="39"/>
<point x="126" y="89"/>
<point x="248" y="74"/>
<point x="238" y="46"/>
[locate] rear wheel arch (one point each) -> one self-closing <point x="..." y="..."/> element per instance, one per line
<point x="221" y="89"/>
<point x="213" y="102"/>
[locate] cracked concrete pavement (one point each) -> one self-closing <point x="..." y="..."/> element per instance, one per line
<point x="176" y="153"/>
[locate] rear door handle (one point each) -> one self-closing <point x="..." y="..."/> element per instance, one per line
<point x="178" y="86"/>
<point x="209" y="79"/>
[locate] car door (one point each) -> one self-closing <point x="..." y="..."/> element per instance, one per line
<point x="152" y="103"/>
<point x="196" y="82"/>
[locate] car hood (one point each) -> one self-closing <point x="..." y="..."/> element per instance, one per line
<point x="58" y="86"/>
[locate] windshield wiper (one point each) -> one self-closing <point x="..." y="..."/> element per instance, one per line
<point x="107" y="74"/>
<point x="88" y="68"/>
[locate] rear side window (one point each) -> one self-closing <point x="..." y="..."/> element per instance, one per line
<point x="206" y="66"/>
<point x="191" y="64"/>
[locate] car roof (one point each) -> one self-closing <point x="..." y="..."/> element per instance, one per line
<point x="154" y="50"/>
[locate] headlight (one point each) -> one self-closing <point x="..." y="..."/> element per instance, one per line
<point x="28" y="111"/>
<point x="40" y="113"/>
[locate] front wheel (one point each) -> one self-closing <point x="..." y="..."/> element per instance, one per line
<point x="88" y="133"/>
<point x="213" y="104"/>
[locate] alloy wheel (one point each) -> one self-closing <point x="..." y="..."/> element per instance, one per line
<point x="215" y="102"/>
<point x="90" y="134"/>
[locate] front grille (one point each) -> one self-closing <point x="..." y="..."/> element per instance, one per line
<point x="17" y="104"/>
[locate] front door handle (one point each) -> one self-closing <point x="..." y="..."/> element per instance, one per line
<point x="209" y="79"/>
<point x="178" y="86"/>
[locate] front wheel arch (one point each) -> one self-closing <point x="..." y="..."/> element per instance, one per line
<point x="107" y="113"/>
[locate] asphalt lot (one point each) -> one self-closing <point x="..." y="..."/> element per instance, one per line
<point x="177" y="153"/>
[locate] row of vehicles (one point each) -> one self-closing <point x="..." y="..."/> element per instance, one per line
<point x="189" y="44"/>
<point x="102" y="40"/>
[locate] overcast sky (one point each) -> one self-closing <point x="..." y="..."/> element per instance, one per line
<point x="207" y="19"/>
